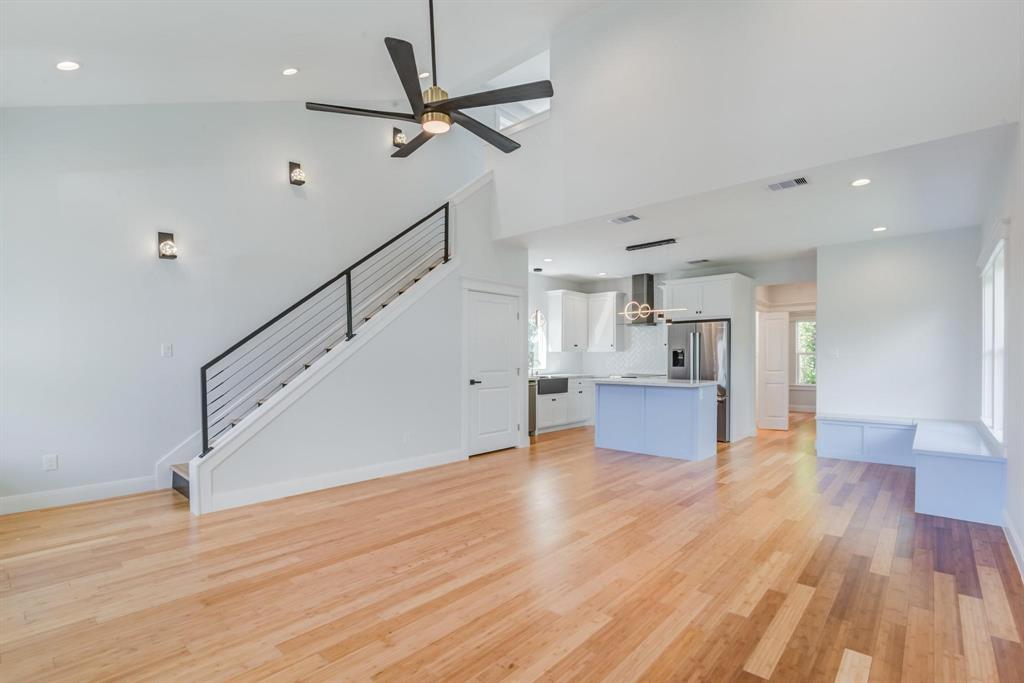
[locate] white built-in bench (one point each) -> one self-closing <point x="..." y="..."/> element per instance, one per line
<point x="885" y="440"/>
<point x="958" y="472"/>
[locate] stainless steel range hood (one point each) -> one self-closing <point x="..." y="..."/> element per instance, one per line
<point x="643" y="293"/>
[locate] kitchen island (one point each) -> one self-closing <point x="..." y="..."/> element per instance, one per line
<point x="666" y="417"/>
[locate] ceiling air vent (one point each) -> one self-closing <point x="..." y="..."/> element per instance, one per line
<point x="698" y="261"/>
<point x="786" y="184"/>
<point x="648" y="245"/>
<point x="628" y="218"/>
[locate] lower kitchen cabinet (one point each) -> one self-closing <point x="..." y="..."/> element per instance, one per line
<point x="569" y="409"/>
<point x="552" y="410"/>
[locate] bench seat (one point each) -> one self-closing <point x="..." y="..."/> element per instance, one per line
<point x="959" y="475"/>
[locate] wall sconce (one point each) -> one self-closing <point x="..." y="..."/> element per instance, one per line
<point x="165" y="246"/>
<point x="398" y="137"/>
<point x="296" y="176"/>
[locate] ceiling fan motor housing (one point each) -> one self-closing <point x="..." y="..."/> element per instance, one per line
<point x="431" y="95"/>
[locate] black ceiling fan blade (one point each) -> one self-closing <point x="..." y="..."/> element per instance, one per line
<point x="405" y="64"/>
<point x="356" y="111"/>
<point x="413" y="145"/>
<point x="485" y="133"/>
<point x="515" y="93"/>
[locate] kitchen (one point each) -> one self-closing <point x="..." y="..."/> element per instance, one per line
<point x="596" y="359"/>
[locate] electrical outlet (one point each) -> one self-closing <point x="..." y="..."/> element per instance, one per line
<point x="49" y="462"/>
<point x="166" y="350"/>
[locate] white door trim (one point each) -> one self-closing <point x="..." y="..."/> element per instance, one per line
<point x="521" y="400"/>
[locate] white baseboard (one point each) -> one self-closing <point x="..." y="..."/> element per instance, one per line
<point x="73" y="494"/>
<point x="1015" y="541"/>
<point x="258" y="494"/>
<point x="182" y="453"/>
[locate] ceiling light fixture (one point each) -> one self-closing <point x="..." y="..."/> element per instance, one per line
<point x="290" y="71"/>
<point x="425" y="74"/>
<point x="68" y="66"/>
<point x="548" y="260"/>
<point x="880" y="228"/>
<point x="861" y="182"/>
<point x="165" y="246"/>
<point x="601" y="274"/>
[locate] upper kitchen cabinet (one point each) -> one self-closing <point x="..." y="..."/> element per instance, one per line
<point x="704" y="297"/>
<point x="567" y="321"/>
<point x="605" y="331"/>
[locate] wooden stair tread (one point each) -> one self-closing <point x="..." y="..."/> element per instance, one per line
<point x="181" y="469"/>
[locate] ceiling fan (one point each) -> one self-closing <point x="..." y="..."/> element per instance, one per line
<point x="433" y="109"/>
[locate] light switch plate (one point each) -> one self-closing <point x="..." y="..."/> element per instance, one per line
<point x="49" y="462"/>
<point x="166" y="350"/>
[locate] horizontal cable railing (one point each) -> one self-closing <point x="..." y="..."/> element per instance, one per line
<point x="244" y="377"/>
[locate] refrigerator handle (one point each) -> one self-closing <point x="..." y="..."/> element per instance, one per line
<point x="696" y="362"/>
<point x="692" y="357"/>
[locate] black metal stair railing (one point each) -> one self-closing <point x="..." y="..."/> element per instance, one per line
<point x="241" y="379"/>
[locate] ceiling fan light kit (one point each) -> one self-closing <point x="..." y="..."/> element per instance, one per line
<point x="432" y="108"/>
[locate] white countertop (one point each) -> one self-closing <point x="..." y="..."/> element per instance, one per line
<point x="656" y="382"/>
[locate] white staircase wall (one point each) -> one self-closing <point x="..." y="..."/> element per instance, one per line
<point x="391" y="406"/>
<point x="389" y="401"/>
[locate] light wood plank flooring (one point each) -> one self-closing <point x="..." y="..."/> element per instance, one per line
<point x="559" y="563"/>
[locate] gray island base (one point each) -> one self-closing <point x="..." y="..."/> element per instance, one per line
<point x="670" y="418"/>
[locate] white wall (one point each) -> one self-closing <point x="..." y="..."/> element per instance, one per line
<point x="395" y="406"/>
<point x="898" y="327"/>
<point x="86" y="303"/>
<point x="736" y="105"/>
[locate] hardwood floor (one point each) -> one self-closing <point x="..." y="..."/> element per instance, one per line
<point x="561" y="563"/>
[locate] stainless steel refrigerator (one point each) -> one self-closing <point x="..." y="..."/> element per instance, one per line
<point x="700" y="351"/>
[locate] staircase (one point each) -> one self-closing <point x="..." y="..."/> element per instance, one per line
<point x="241" y="380"/>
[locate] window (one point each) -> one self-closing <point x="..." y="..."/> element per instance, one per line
<point x="805" y="361"/>
<point x="515" y="116"/>
<point x="993" y="341"/>
<point x="538" y="341"/>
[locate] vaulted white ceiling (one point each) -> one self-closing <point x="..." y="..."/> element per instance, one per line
<point x="941" y="185"/>
<point x="135" y="52"/>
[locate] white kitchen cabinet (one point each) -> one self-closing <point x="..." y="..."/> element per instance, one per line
<point x="552" y="410"/>
<point x="567" y="321"/>
<point x="605" y="325"/>
<point x="703" y="297"/>
<point x="581" y="401"/>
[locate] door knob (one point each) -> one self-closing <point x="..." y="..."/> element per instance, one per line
<point x="474" y="381"/>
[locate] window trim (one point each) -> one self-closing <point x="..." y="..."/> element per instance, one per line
<point x="992" y="408"/>
<point x="795" y="354"/>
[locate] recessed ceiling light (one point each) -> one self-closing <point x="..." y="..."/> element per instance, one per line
<point x="861" y="182"/>
<point x="68" y="66"/>
<point x="601" y="274"/>
<point x="548" y="260"/>
<point x="425" y="74"/>
<point x="880" y="228"/>
<point x="290" y="71"/>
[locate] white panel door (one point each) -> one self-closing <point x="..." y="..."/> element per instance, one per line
<point x="493" y="357"/>
<point x="773" y="371"/>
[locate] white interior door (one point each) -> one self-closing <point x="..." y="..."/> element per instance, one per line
<point x="493" y="358"/>
<point x="773" y="371"/>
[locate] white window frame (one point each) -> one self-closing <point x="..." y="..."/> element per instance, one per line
<point x="993" y="341"/>
<point x="540" y="319"/>
<point x="793" y="321"/>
